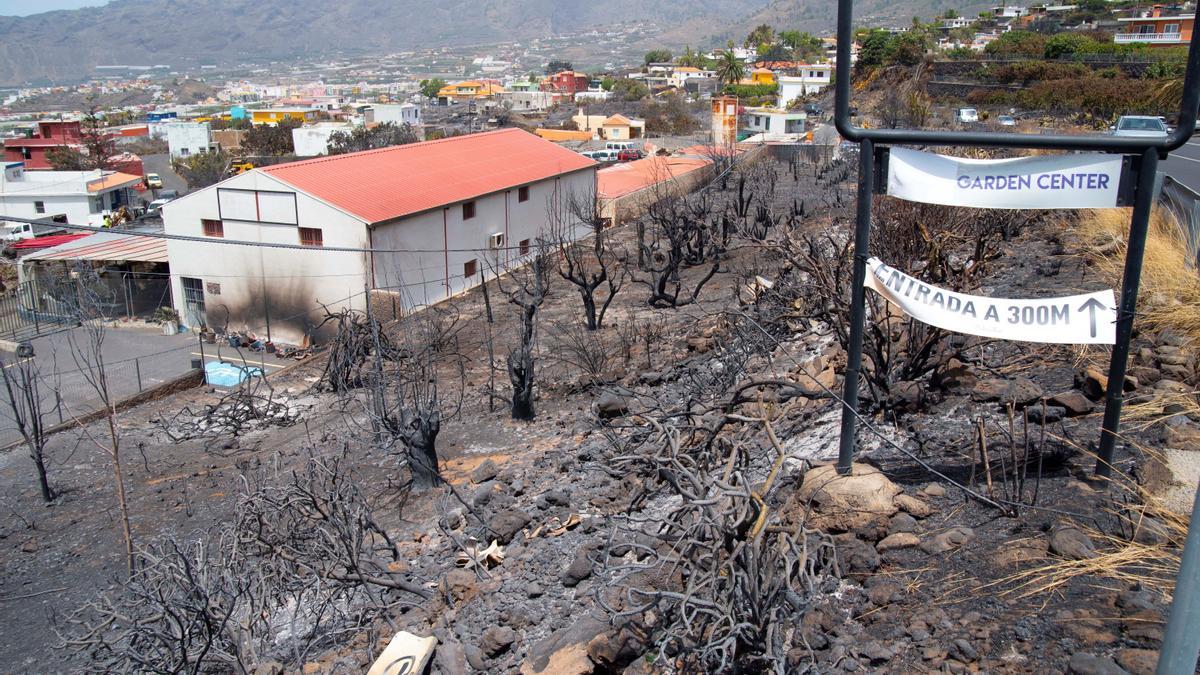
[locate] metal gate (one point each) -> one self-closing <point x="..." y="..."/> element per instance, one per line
<point x="193" y="302"/>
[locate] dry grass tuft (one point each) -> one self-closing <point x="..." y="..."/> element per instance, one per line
<point x="1170" y="289"/>
<point x="1120" y="555"/>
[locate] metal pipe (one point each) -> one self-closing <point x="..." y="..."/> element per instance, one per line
<point x="845" y="38"/>
<point x="858" y="310"/>
<point x="1181" y="642"/>
<point x="1127" y="307"/>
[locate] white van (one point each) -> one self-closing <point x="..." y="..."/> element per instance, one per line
<point x="602" y="155"/>
<point x="966" y="116"/>
<point x="622" y="145"/>
<point x="16" y="232"/>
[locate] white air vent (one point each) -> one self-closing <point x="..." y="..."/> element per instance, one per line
<point x="496" y="240"/>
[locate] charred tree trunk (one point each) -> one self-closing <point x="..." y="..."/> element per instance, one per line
<point x="419" y="432"/>
<point x="520" y="367"/>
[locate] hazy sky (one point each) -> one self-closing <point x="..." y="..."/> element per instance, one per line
<point x="25" y="7"/>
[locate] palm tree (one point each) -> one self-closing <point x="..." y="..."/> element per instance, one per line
<point x="730" y="69"/>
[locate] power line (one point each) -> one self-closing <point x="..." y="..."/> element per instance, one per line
<point x="263" y="244"/>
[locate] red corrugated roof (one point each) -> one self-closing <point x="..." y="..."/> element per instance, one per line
<point x="380" y="185"/>
<point x="47" y="242"/>
<point x="108" y="246"/>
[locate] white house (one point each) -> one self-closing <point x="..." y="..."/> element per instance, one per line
<point x="592" y="96"/>
<point x="532" y="101"/>
<point x="774" y="125"/>
<point x="185" y="139"/>
<point x="313" y="140"/>
<point x="810" y="79"/>
<point x="1008" y="11"/>
<point x="78" y="197"/>
<point x="681" y="74"/>
<point x="397" y="113"/>
<point x="956" y="22"/>
<point x="422" y="223"/>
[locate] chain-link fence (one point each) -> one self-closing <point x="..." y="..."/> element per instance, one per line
<point x="69" y="386"/>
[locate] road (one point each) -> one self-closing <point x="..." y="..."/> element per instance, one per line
<point x="1184" y="164"/>
<point x="161" y="165"/>
<point x="136" y="358"/>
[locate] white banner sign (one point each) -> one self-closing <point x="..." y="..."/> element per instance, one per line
<point x="1081" y="181"/>
<point x="1073" y="319"/>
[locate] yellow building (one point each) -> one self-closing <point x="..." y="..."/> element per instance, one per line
<point x="471" y="89"/>
<point x="622" y="128"/>
<point x="277" y="115"/>
<point x="760" y="76"/>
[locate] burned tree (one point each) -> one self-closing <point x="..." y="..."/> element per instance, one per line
<point x="720" y="569"/>
<point x="683" y="233"/>
<point x="24" y="400"/>
<point x="587" y="266"/>
<point x="527" y="289"/>
<point x="352" y="349"/>
<point x="403" y="397"/>
<point x="304" y="565"/>
<point x="86" y="298"/>
<point x="945" y="246"/>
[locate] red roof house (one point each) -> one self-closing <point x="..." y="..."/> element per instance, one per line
<point x="416" y="224"/>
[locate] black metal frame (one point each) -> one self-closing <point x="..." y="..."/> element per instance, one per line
<point x="1145" y="153"/>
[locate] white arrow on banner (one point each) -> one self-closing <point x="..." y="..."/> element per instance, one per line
<point x="1073" y="319"/>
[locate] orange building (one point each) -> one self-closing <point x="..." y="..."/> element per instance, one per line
<point x="1155" y="29"/>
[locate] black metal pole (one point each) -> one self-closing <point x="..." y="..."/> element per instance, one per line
<point x="1127" y="306"/>
<point x="858" y="308"/>
<point x="1181" y="642"/>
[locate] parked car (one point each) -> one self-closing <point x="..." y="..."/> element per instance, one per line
<point x="1006" y="121"/>
<point x="154" y="208"/>
<point x="169" y="194"/>
<point x="1140" y="126"/>
<point x="966" y="116"/>
<point x="629" y="155"/>
<point x="622" y="145"/>
<point x="812" y="109"/>
<point x="153" y="181"/>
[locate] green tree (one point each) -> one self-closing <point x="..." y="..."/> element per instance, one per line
<point x="626" y="89"/>
<point x="906" y="49"/>
<point x="1018" y="43"/>
<point x="658" y="56"/>
<point x="607" y="83"/>
<point x="1067" y="44"/>
<point x="380" y="136"/>
<point x="98" y="146"/>
<point x="773" y="53"/>
<point x="950" y="14"/>
<point x="67" y="158"/>
<point x="264" y="139"/>
<point x="762" y="35"/>
<point x="202" y="170"/>
<point x="730" y="69"/>
<point x="689" y="58"/>
<point x="874" y="48"/>
<point x="430" y="88"/>
<point x="557" y="66"/>
<point x="804" y="47"/>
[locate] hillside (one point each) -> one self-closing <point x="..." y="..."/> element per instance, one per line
<point x="822" y="16"/>
<point x="64" y="45"/>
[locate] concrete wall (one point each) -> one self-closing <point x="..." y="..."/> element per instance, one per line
<point x="402" y="113"/>
<point x="314" y="140"/>
<point x="287" y="283"/>
<point x="188" y="138"/>
<point x="429" y="274"/>
<point x="75" y="207"/>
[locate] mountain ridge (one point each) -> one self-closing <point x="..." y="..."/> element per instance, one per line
<point x="65" y="45"/>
